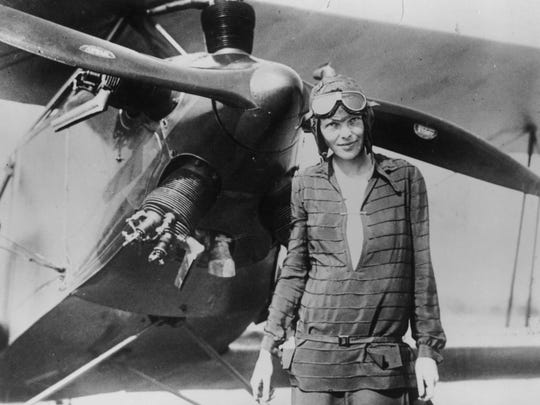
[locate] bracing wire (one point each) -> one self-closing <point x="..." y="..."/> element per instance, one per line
<point x="30" y="256"/>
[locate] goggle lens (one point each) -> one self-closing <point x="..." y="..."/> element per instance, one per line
<point x="326" y="104"/>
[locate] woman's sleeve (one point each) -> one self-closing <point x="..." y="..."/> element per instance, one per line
<point x="425" y="321"/>
<point x="292" y="280"/>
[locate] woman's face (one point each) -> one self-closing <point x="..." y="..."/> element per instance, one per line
<point x="343" y="133"/>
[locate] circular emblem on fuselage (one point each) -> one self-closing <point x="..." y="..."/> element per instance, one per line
<point x="97" y="51"/>
<point x="424" y="132"/>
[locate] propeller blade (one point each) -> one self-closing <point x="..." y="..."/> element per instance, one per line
<point x="71" y="47"/>
<point x="438" y="142"/>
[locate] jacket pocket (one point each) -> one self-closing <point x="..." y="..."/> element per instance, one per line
<point x="387" y="357"/>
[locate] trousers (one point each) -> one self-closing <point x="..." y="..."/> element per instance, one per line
<point x="400" y="396"/>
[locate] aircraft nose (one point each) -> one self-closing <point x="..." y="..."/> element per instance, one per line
<point x="277" y="89"/>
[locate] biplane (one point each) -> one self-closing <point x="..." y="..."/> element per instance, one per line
<point x="143" y="213"/>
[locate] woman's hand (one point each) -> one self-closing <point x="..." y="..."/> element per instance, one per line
<point x="262" y="377"/>
<point x="427" y="376"/>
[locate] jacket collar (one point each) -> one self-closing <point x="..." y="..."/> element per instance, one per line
<point x="384" y="168"/>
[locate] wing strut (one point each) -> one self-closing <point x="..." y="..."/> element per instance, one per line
<point x="161" y="385"/>
<point x="7" y="177"/>
<point x="533" y="141"/>
<point x="88" y="366"/>
<point x="533" y="265"/>
<point x="215" y="355"/>
<point x="530" y="149"/>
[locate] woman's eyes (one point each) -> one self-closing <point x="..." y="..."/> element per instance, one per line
<point x="355" y="121"/>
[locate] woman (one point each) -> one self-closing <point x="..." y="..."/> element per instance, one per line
<point x="358" y="269"/>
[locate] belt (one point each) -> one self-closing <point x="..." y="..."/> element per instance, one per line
<point x="347" y="340"/>
<point x="387" y="357"/>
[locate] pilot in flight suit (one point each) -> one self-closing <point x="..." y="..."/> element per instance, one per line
<point x="358" y="269"/>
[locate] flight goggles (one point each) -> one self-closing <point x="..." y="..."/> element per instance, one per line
<point x="325" y="105"/>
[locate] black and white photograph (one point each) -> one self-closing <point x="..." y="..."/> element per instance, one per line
<point x="273" y="202"/>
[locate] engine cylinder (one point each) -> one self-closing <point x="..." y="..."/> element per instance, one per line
<point x="188" y="192"/>
<point x="228" y="24"/>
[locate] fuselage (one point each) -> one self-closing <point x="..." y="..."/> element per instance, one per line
<point x="74" y="189"/>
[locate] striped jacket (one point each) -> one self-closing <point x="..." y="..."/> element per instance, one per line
<point x="323" y="295"/>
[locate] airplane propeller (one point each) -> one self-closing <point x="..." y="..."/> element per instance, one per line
<point x="438" y="142"/>
<point x="71" y="47"/>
